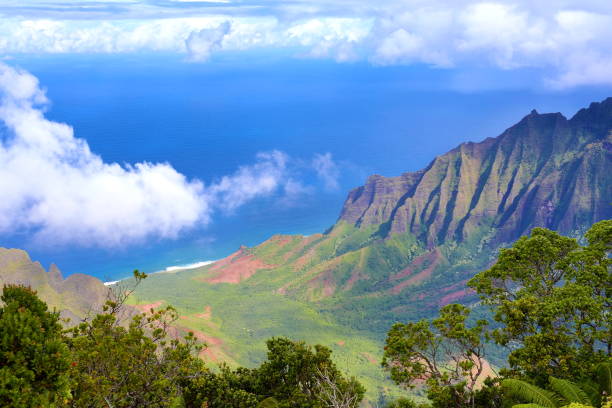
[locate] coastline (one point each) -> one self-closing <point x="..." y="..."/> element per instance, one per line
<point x="169" y="269"/>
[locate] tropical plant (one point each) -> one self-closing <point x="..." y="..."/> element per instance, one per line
<point x="559" y="393"/>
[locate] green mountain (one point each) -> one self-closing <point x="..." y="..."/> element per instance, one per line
<point x="401" y="248"/>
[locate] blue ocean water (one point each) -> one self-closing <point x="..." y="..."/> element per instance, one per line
<point x="208" y="119"/>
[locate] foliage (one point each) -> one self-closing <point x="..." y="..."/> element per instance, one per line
<point x="604" y="377"/>
<point x="294" y="375"/>
<point x="552" y="298"/>
<point x="559" y="393"/>
<point x="445" y="354"/>
<point x="137" y="365"/>
<point x="524" y="391"/>
<point x="576" y="405"/>
<point x="218" y="390"/>
<point x="268" y="403"/>
<point x="569" y="391"/>
<point x="402" y="403"/>
<point x="243" y="335"/>
<point x="33" y="358"/>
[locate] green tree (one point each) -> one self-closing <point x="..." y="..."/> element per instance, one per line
<point x="33" y="358"/>
<point x="551" y="297"/>
<point x="445" y="354"/>
<point x="402" y="403"/>
<point x="294" y="375"/>
<point x="130" y="365"/>
<point x="224" y="389"/>
<point x="300" y="376"/>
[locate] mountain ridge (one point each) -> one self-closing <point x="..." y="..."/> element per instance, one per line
<point x="414" y="206"/>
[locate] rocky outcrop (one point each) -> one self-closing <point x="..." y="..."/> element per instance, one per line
<point x="544" y="171"/>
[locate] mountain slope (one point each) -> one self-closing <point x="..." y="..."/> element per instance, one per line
<point x="544" y="171"/>
<point x="74" y="296"/>
<point x="414" y="239"/>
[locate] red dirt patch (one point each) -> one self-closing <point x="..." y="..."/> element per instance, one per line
<point x="279" y="240"/>
<point x="212" y="351"/>
<point x="356" y="275"/>
<point x="341" y="343"/>
<point x="453" y="296"/>
<point x="415" y="264"/>
<point x="299" y="247"/>
<point x="325" y="282"/>
<point x="149" y="306"/>
<point x="459" y="285"/>
<point x="207" y="314"/>
<point x="235" y="268"/>
<point x="369" y="357"/>
<point x="209" y="340"/>
<point x="432" y="257"/>
<point x="303" y="260"/>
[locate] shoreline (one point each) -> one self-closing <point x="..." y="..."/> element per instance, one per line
<point x="168" y="269"/>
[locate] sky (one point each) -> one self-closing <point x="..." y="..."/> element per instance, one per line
<point x="341" y="72"/>
<point x="568" y="39"/>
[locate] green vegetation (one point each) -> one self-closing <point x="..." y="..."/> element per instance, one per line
<point x="550" y="299"/>
<point x="104" y="362"/>
<point x="450" y="361"/>
<point x="243" y="317"/>
<point x="33" y="358"/>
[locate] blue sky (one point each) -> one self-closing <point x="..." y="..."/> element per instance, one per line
<point x="235" y="120"/>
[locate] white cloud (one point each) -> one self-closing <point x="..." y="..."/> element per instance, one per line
<point x="571" y="44"/>
<point x="569" y="39"/>
<point x="327" y="170"/>
<point x="200" y="44"/>
<point x="53" y="183"/>
<point x="265" y="177"/>
<point x="56" y="189"/>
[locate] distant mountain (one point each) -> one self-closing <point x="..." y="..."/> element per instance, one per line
<point x="74" y="296"/>
<point x="544" y="171"/>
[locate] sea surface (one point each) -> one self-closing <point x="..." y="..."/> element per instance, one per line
<point x="209" y="119"/>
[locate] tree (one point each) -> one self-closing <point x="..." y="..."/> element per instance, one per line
<point x="551" y="297"/>
<point x="300" y="376"/>
<point x="444" y="354"/>
<point x="219" y="390"/>
<point x="294" y="375"/>
<point x="33" y="358"/>
<point x="402" y="403"/>
<point x="138" y="365"/>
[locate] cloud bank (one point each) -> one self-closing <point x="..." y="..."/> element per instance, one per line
<point x="55" y="189"/>
<point x="569" y="39"/>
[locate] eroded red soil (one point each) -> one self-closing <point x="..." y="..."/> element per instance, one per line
<point x="235" y="268"/>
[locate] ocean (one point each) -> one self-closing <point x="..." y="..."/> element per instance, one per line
<point x="209" y="119"/>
